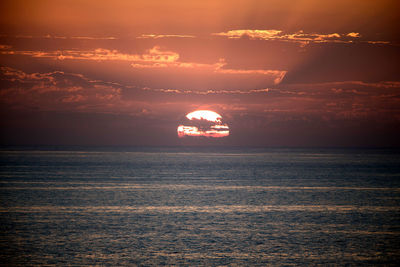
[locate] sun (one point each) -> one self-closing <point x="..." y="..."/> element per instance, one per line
<point x="204" y="115"/>
<point x="203" y="123"/>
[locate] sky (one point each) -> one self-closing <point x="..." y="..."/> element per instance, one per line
<point x="305" y="73"/>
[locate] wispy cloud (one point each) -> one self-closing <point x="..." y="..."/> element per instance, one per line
<point x="49" y="36"/>
<point x="56" y="90"/>
<point x="210" y="92"/>
<point x="92" y="38"/>
<point x="313" y="90"/>
<point x="154" y="55"/>
<point x="158" y="36"/>
<point x="300" y="37"/>
<point x="2" y="46"/>
<point x="354" y="34"/>
<point x="278" y="74"/>
<point x="170" y="59"/>
<point x="253" y="34"/>
<point x="142" y="36"/>
<point x="154" y="58"/>
<point x="382" y="84"/>
<point x="378" y="42"/>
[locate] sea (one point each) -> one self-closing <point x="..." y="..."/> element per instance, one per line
<point x="199" y="206"/>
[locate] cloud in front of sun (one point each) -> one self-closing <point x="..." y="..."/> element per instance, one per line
<point x="203" y="123"/>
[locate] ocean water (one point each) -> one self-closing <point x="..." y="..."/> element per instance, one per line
<point x="199" y="207"/>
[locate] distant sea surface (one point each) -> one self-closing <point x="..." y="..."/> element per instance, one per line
<point x="199" y="206"/>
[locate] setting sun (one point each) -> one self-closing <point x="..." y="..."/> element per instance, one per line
<point x="204" y="115"/>
<point x="204" y="123"/>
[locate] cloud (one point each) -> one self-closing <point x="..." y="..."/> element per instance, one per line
<point x="74" y="99"/>
<point x="210" y="92"/>
<point x="172" y="61"/>
<point x="347" y="100"/>
<point x="88" y="38"/>
<point x="56" y="91"/>
<point x="5" y="47"/>
<point x="317" y="91"/>
<point x="154" y="55"/>
<point x="378" y="42"/>
<point x="298" y="37"/>
<point x="354" y="34"/>
<point x="252" y="34"/>
<point x="382" y="84"/>
<point x="48" y="36"/>
<point x="277" y="74"/>
<point x="158" y="36"/>
<point x="154" y="58"/>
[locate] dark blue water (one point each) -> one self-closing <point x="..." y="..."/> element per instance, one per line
<point x="187" y="206"/>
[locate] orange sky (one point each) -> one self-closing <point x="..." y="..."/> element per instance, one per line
<point x="281" y="73"/>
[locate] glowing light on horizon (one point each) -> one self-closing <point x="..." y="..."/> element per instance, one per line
<point x="204" y="123"/>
